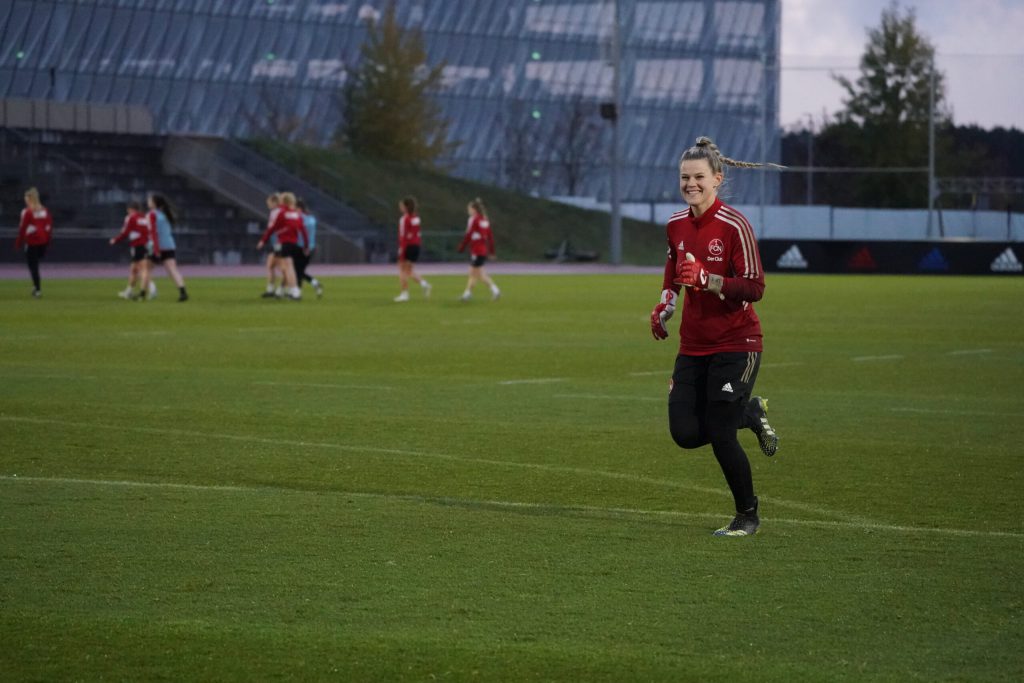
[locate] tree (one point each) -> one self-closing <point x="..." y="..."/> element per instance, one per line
<point x="885" y="120"/>
<point x="389" y="111"/>
<point x="520" y="147"/>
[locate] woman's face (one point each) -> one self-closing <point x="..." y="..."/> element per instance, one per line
<point x="697" y="184"/>
<point x="150" y="203"/>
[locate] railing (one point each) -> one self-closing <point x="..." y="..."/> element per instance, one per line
<point x="246" y="178"/>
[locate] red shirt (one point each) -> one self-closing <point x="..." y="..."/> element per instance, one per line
<point x="723" y="242"/>
<point x="135" y="229"/>
<point x="478" y="236"/>
<point x="287" y="224"/>
<point x="35" y="228"/>
<point x="409" y="231"/>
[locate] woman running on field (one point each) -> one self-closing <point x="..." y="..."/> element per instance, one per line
<point x="712" y="252"/>
<point x="136" y="230"/>
<point x="34" y="231"/>
<point x="409" y="244"/>
<point x="161" y="221"/>
<point x="481" y="245"/>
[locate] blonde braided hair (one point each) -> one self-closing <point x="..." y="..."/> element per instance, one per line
<point x="705" y="148"/>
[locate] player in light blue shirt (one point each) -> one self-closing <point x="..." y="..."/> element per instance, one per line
<point x="309" y="220"/>
<point x="161" y="218"/>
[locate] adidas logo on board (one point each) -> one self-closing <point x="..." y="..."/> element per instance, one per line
<point x="792" y="258"/>
<point x="1007" y="262"/>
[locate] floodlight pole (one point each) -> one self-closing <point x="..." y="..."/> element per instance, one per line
<point x="616" y="225"/>
<point x="931" y="146"/>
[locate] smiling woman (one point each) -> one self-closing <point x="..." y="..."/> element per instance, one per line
<point x="713" y="253"/>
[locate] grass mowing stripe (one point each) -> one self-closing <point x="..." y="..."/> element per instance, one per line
<point x="930" y="411"/>
<point x="968" y="352"/>
<point x="795" y="505"/>
<point x="324" y="386"/>
<point x="892" y="356"/>
<point x="606" y="397"/>
<point x="539" y="380"/>
<point x="582" y="510"/>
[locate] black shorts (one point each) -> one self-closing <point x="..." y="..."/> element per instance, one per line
<point x="412" y="253"/>
<point x="719" y="377"/>
<point x="139" y="254"/>
<point x="290" y="250"/>
<point x="162" y="256"/>
<point x="477" y="261"/>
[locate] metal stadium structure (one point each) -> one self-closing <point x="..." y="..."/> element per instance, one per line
<point x="521" y="76"/>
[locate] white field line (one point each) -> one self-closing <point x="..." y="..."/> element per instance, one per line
<point x="782" y="365"/>
<point x="514" y="505"/>
<point x="260" y="329"/>
<point x="562" y="469"/>
<point x="538" y="380"/>
<point x="666" y="371"/>
<point x="144" y="333"/>
<point x="323" y="386"/>
<point x="607" y="397"/>
<point x="968" y="352"/>
<point x="892" y="356"/>
<point x="929" y="411"/>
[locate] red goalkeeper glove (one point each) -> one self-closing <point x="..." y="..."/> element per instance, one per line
<point x="661" y="313"/>
<point x="689" y="273"/>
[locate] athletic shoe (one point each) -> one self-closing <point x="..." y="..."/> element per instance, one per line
<point x="182" y="296"/>
<point x="426" y="289"/>
<point x="757" y="417"/>
<point x="268" y="295"/>
<point x="495" y="294"/>
<point x="319" y="290"/>
<point x="743" y="524"/>
<point x="152" y="292"/>
<point x="466" y="296"/>
<point x="125" y="294"/>
<point x="404" y="296"/>
<point x="36" y="294"/>
<point x="293" y="297"/>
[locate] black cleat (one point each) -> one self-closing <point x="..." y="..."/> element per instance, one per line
<point x="757" y="420"/>
<point x="183" y="297"/>
<point x="744" y="523"/>
<point x="268" y="295"/>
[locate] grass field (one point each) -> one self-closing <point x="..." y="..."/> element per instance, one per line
<point x="349" y="489"/>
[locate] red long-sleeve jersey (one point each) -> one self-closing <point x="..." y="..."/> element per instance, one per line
<point x="409" y="231"/>
<point x="135" y="229"/>
<point x="723" y="242"/>
<point x="35" y="229"/>
<point x="287" y="224"/>
<point x="478" y="236"/>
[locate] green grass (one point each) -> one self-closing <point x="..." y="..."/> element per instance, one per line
<point x="233" y="489"/>
<point x="525" y="227"/>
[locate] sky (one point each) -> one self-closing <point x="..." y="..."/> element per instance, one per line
<point x="979" y="46"/>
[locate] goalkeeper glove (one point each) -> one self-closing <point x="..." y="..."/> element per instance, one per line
<point x="661" y="313"/>
<point x="692" y="274"/>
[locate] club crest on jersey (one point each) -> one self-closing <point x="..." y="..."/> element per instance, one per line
<point x="716" y="247"/>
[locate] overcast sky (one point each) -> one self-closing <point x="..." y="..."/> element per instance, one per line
<point x="980" y="45"/>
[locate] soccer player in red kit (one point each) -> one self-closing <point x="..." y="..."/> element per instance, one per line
<point x="34" y="231"/>
<point x="713" y="253"/>
<point x="288" y="226"/>
<point x="136" y="230"/>
<point x="481" y="245"/>
<point x="409" y="243"/>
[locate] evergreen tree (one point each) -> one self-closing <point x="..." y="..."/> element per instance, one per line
<point x="389" y="111"/>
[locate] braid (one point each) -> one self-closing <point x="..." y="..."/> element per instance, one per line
<point x="705" y="148"/>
